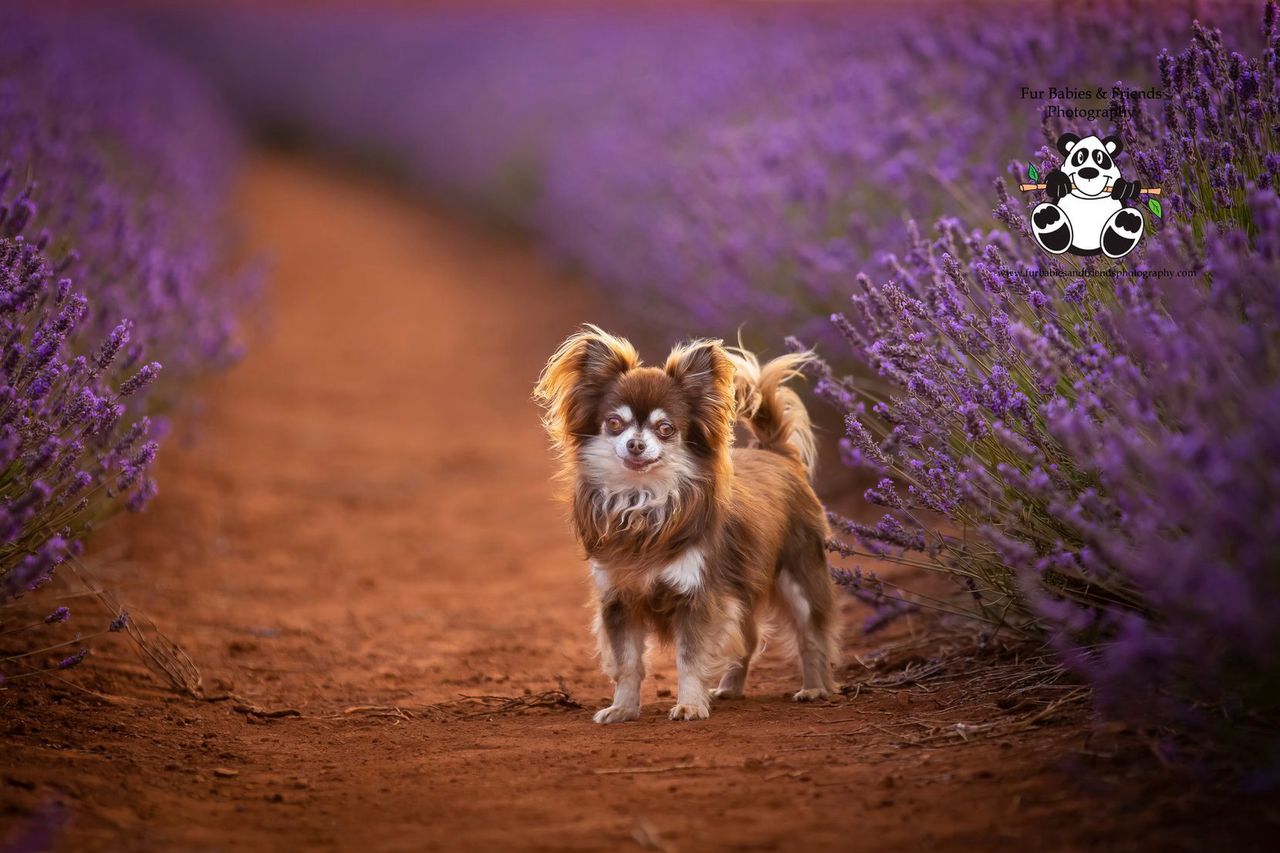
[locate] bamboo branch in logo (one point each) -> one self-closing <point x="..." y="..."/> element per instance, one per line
<point x="1026" y="188"/>
<point x="1153" y="204"/>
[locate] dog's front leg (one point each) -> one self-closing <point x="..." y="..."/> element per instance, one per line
<point x="622" y="649"/>
<point x="694" y="647"/>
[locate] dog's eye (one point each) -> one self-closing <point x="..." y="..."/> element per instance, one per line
<point x="666" y="430"/>
<point x="613" y="423"/>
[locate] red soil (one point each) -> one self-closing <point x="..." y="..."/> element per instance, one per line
<point x="365" y="519"/>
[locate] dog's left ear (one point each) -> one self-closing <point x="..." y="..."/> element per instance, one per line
<point x="1113" y="145"/>
<point x="704" y="373"/>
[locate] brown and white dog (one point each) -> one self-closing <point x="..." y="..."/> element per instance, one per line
<point x="688" y="537"/>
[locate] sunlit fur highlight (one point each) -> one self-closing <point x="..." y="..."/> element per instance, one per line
<point x="571" y="383"/>
<point x="689" y="538"/>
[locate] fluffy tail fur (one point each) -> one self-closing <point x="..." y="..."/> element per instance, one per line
<point x="774" y="413"/>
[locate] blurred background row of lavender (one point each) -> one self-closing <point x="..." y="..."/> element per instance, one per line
<point x="711" y="168"/>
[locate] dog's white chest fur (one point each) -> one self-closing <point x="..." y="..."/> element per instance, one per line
<point x="683" y="574"/>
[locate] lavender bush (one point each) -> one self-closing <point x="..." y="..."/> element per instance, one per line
<point x="114" y="164"/>
<point x="1099" y="436"/>
<point x="120" y="157"/>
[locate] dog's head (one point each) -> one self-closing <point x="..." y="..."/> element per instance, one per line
<point x="624" y="425"/>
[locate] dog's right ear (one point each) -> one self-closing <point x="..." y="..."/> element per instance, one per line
<point x="705" y="374"/>
<point x="576" y="377"/>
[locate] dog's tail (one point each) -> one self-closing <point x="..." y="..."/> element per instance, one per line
<point x="774" y="413"/>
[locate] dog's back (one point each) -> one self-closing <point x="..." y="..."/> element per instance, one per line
<point x="773" y="497"/>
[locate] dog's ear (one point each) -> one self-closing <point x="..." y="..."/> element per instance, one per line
<point x="704" y="374"/>
<point x="1066" y="142"/>
<point x="575" y="379"/>
<point x="1113" y="145"/>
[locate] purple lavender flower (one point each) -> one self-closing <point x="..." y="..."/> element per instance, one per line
<point x="62" y="614"/>
<point x="144" y="377"/>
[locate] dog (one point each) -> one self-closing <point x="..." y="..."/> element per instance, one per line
<point x="690" y="538"/>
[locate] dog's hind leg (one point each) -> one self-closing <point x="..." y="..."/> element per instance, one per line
<point x="809" y="600"/>
<point x="734" y="680"/>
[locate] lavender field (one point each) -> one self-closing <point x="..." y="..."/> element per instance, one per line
<point x="1051" y="478"/>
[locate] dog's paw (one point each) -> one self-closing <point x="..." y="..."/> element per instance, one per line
<point x="726" y="693"/>
<point x="690" y="712"/>
<point x="616" y="714"/>
<point x="811" y="694"/>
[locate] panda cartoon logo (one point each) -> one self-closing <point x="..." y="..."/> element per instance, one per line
<point x="1086" y="213"/>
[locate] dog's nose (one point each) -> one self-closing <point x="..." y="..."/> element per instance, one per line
<point x="635" y="446"/>
<point x="1088" y="173"/>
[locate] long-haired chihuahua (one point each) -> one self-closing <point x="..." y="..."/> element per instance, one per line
<point x="689" y="537"/>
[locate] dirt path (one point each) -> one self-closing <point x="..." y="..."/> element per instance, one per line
<point x="365" y="520"/>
